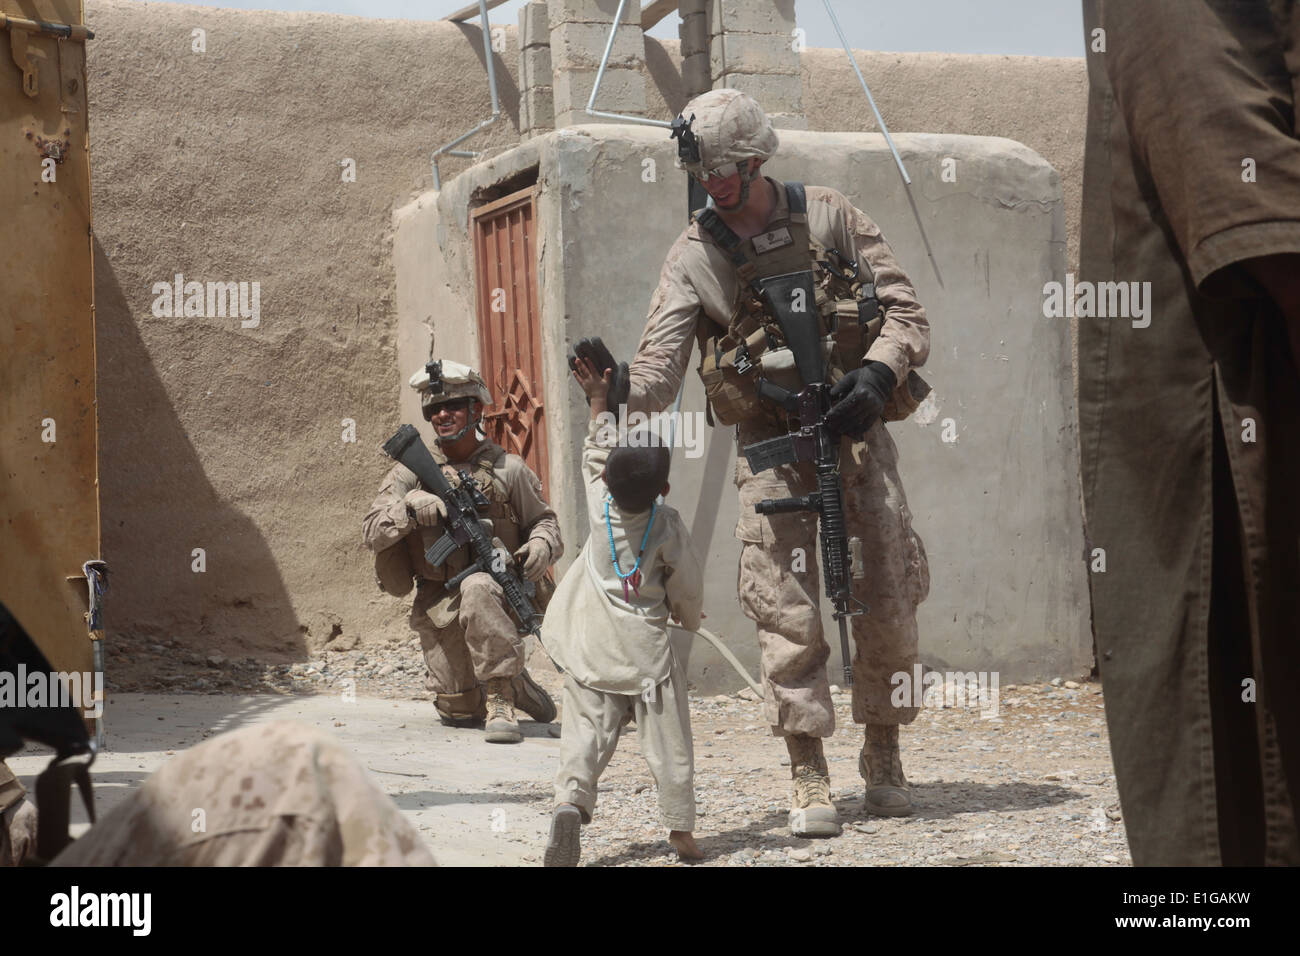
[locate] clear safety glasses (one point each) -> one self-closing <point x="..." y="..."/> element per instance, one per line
<point x="721" y="172"/>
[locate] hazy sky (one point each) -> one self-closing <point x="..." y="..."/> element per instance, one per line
<point x="1026" y="27"/>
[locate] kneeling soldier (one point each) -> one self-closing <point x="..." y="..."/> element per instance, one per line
<point x="472" y="646"/>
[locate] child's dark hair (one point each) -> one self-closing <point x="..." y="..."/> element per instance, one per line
<point x="635" y="476"/>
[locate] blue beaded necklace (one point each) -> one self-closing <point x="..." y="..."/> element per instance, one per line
<point x="633" y="576"/>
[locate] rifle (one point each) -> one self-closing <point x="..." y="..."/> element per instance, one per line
<point x="464" y="528"/>
<point x="810" y="440"/>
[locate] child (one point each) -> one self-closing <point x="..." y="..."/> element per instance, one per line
<point x="607" y="626"/>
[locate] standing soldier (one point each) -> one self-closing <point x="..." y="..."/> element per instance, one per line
<point x="471" y="642"/>
<point x="758" y="227"/>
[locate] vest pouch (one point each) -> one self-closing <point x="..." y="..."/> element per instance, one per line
<point x="779" y="366"/>
<point x="728" y="378"/>
<point x="853" y="332"/>
<point x="847" y="329"/>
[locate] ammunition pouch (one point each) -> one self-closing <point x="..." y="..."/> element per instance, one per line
<point x="729" y="376"/>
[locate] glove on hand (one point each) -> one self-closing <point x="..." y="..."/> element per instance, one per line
<point x="594" y="350"/>
<point x="427" y="508"/>
<point x="535" y="556"/>
<point x="859" y="399"/>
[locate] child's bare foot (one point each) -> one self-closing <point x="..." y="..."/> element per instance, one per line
<point x="683" y="841"/>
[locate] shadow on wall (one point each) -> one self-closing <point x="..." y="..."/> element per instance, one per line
<point x="157" y="506"/>
<point x="507" y="89"/>
<point x="666" y="77"/>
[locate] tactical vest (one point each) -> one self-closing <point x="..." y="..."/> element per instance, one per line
<point x="846" y="309"/>
<point x="505" y="523"/>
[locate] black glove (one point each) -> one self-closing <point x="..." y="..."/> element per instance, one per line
<point x="595" y="352"/>
<point x="859" y="398"/>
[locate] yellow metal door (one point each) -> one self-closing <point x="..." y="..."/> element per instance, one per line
<point x="49" y="499"/>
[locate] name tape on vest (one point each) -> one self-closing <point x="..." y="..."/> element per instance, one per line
<point x="775" y="239"/>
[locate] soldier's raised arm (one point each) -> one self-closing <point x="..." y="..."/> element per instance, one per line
<point x="664" y="351"/>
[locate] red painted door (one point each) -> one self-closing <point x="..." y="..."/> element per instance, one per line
<point x="509" y="323"/>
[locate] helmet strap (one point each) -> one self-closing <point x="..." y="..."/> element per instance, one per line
<point x="452" y="439"/>
<point x="747" y="175"/>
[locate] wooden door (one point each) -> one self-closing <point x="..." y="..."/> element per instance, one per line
<point x="509" y="324"/>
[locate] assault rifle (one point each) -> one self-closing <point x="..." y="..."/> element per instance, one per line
<point x="810" y="440"/>
<point x="464" y="528"/>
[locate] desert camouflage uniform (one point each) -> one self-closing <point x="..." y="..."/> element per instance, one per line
<point x="468" y="636"/>
<point x="699" y="283"/>
<point x="279" y="794"/>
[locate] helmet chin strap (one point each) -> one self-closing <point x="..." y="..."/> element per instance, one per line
<point x="746" y="177"/>
<point x="452" y="439"/>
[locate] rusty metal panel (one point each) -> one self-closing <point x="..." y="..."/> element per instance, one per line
<point x="509" y="321"/>
<point x="49" y="498"/>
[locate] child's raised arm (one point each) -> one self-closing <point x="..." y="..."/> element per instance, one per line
<point x="594" y="385"/>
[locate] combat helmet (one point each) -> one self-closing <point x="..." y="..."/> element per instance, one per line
<point x="722" y="126"/>
<point x="448" y="381"/>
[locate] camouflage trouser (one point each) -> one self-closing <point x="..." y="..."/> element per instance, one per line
<point x="784" y="601"/>
<point x="468" y="637"/>
<point x="278" y="794"/>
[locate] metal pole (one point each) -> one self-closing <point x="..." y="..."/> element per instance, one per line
<point x="600" y="75"/>
<point x="446" y="148"/>
<point x="880" y="120"/>
<point x="487" y="55"/>
<point x="604" y="58"/>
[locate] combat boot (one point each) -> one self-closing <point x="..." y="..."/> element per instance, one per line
<point x="502" y="728"/>
<point x="888" y="793"/>
<point x="532" y="699"/>
<point x="465" y="709"/>
<point x="811" y="812"/>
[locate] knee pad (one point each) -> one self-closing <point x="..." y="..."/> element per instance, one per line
<point x="463" y="709"/>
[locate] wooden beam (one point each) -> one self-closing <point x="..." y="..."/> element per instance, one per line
<point x="466" y="13"/>
<point x="655" y="11"/>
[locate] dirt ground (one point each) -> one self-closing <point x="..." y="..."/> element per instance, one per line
<point x="1032" y="786"/>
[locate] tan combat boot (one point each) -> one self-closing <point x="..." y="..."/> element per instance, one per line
<point x="811" y="812"/>
<point x="882" y="768"/>
<point x="502" y="728"/>
<point x="532" y="699"/>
